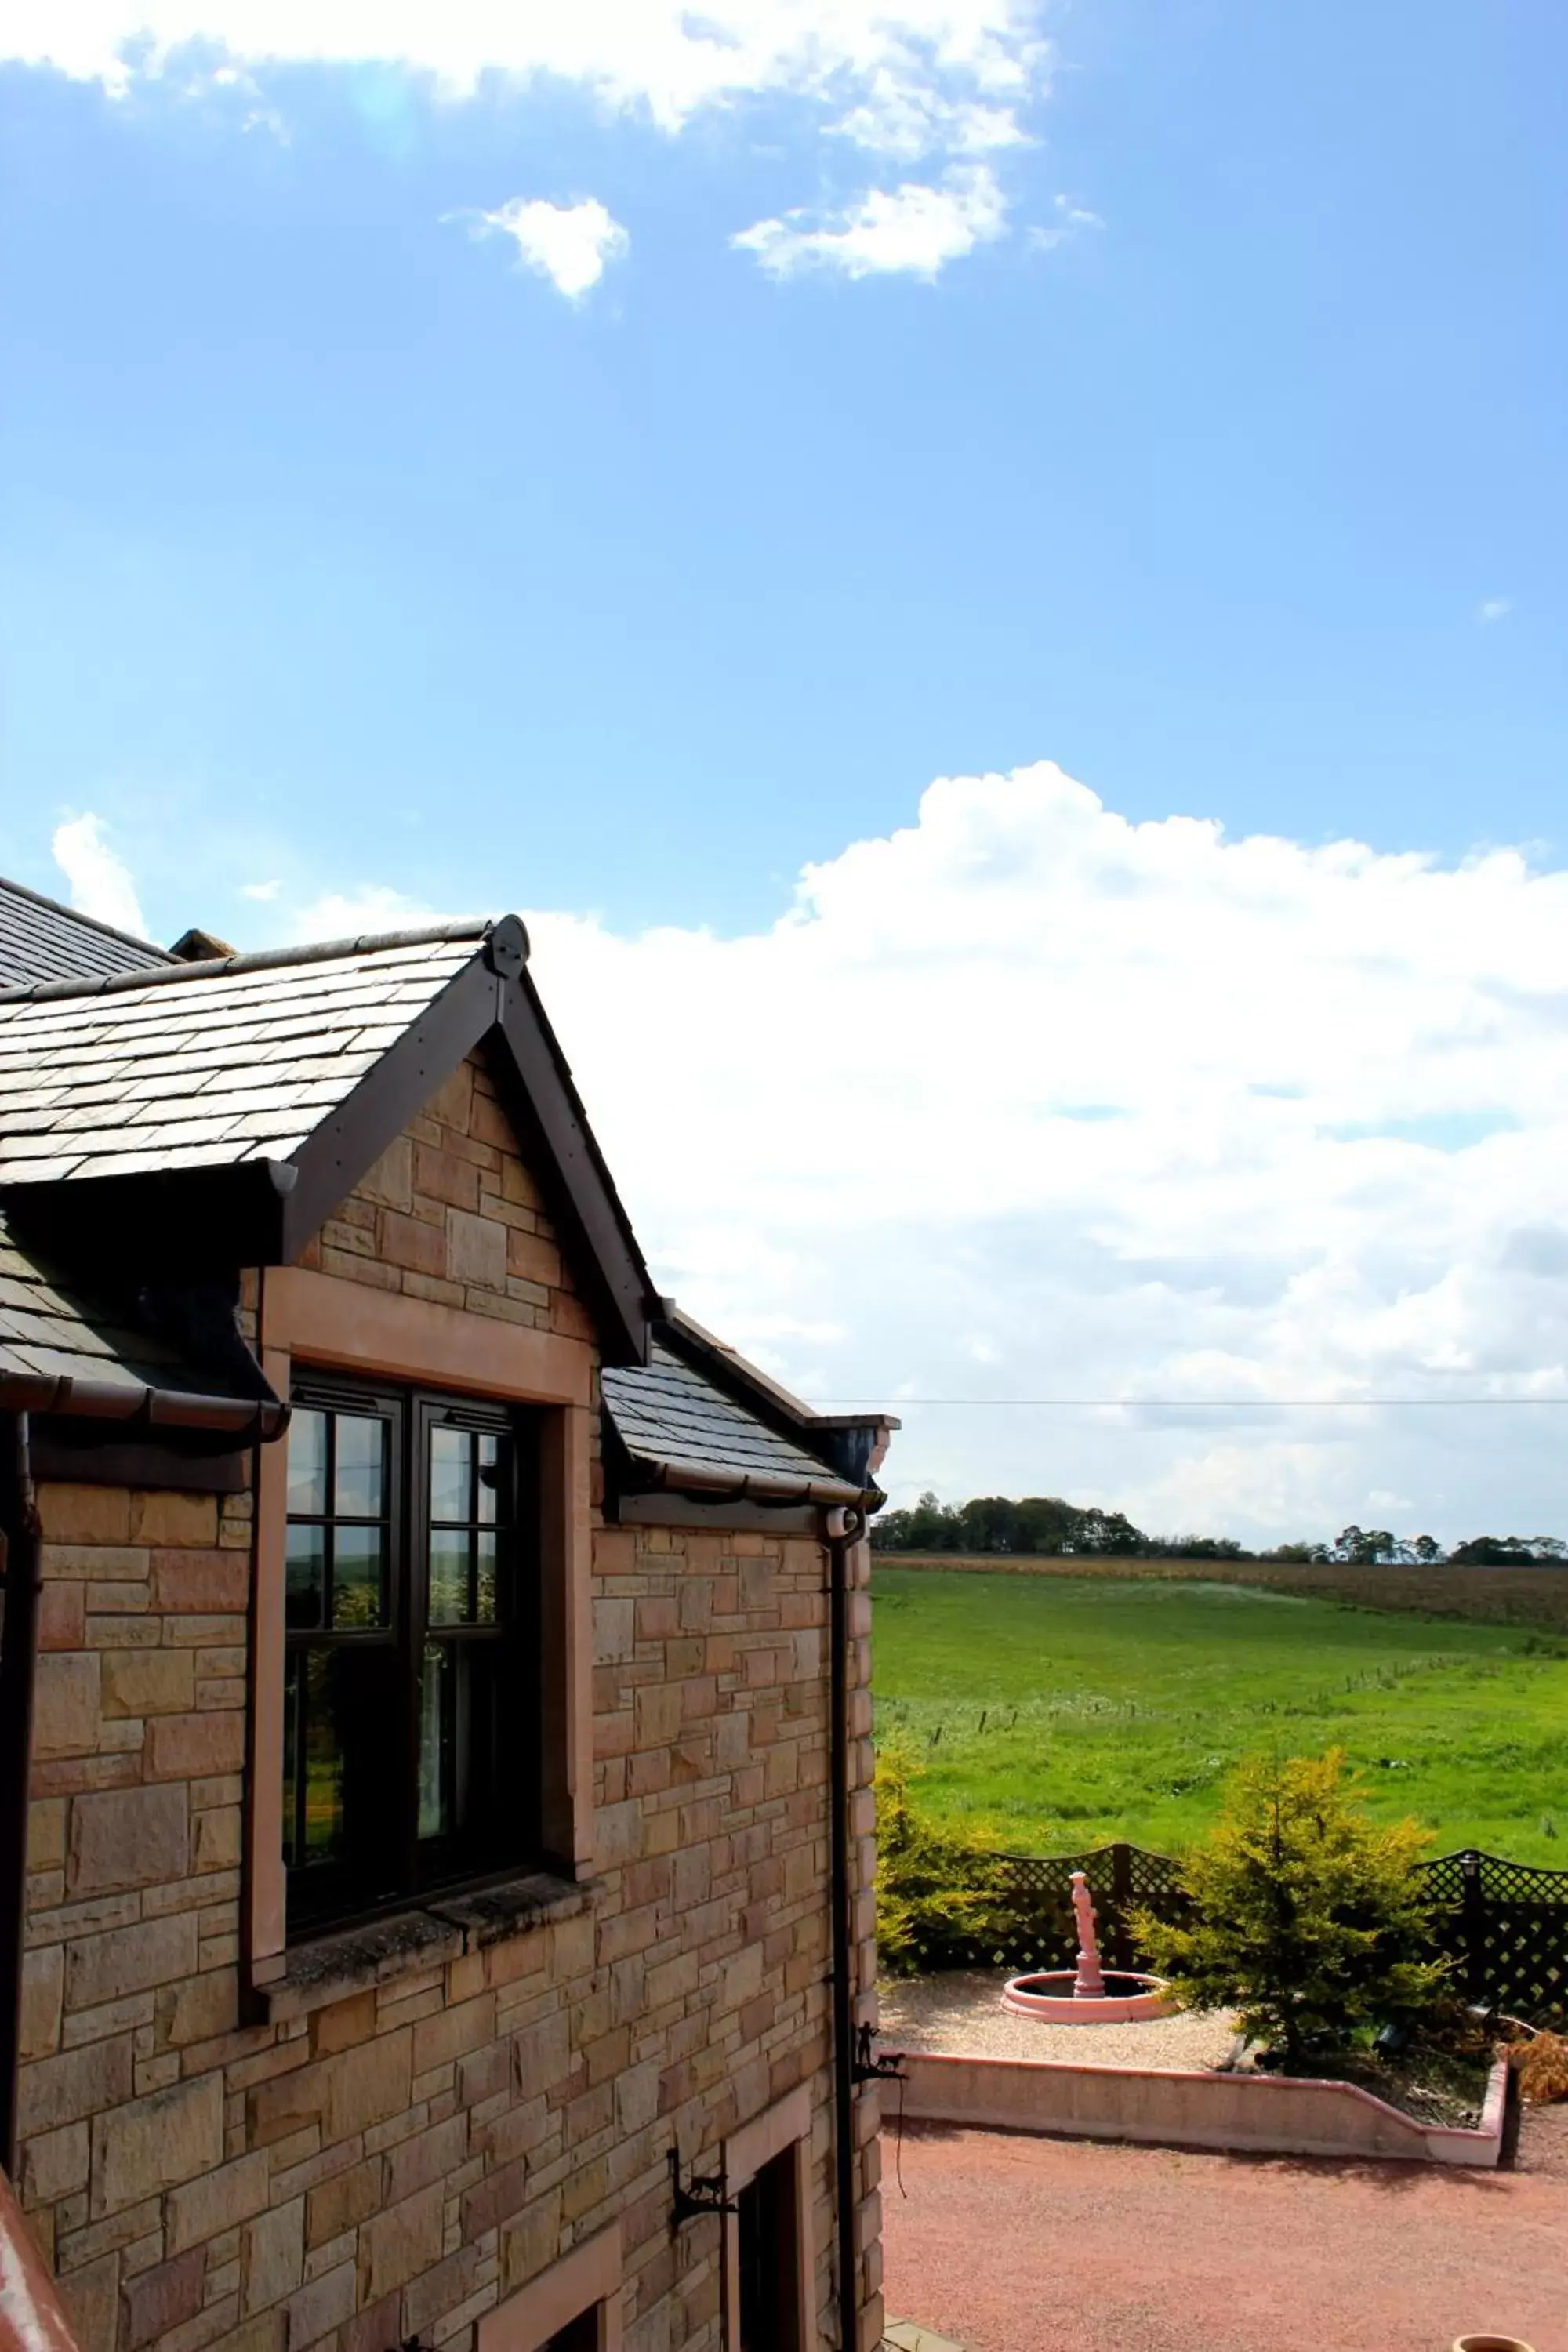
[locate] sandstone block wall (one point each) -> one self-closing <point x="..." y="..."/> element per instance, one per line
<point x="449" y="1214"/>
<point x="395" y="2161"/>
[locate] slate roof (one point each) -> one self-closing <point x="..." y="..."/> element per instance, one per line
<point x="42" y="941"/>
<point x="54" y="1332"/>
<point x="176" y="1066"/>
<point x="677" y="1425"/>
<point x="192" y="1065"/>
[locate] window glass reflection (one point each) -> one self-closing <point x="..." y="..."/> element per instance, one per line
<point x="323" y="1759"/>
<point x="438" y="1709"/>
<point x="305" y="1578"/>
<point x="485" y="1611"/>
<point x="492" y="1450"/>
<point x="358" y="1577"/>
<point x="449" y="1577"/>
<point x="361" y="1483"/>
<point x="307" y="1461"/>
<point x="451" y="1456"/>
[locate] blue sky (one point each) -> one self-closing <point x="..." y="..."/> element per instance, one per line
<point x="1173" y="392"/>
<point x="321" y="512"/>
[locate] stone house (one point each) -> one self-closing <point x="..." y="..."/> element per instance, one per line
<point x="436" y="1838"/>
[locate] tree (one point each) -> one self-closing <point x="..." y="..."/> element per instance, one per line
<point x="1045" y="1524"/>
<point x="1493" y="1551"/>
<point x="1309" y="1921"/>
<point x="1109" y="1532"/>
<point x="1427" y="1550"/>
<point x="1366" y="1547"/>
<point x="990" y="1523"/>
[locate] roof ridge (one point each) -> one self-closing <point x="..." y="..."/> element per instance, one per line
<point x="93" y="922"/>
<point x="52" y="992"/>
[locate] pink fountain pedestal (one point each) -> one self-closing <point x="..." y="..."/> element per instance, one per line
<point x="1088" y="1995"/>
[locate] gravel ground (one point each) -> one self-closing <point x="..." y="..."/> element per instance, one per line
<point x="960" y="2014"/>
<point x="1008" y="2243"/>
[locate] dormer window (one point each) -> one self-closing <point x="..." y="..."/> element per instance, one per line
<point x="412" y="1715"/>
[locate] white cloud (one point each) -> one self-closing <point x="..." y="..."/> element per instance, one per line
<point x="914" y="229"/>
<point x="1494" y="608"/>
<point x="355" y="914"/>
<point x="100" y="883"/>
<point x="568" y="244"/>
<point x="880" y="1133"/>
<point x="876" y="69"/>
<point x="262" y="892"/>
<point x="1026" y="1102"/>
<point x="1071" y="219"/>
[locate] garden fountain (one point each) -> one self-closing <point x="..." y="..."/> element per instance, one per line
<point x="1089" y="1994"/>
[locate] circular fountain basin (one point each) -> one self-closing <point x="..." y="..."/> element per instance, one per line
<point x="1128" y="1997"/>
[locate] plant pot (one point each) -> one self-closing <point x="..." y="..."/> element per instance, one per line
<point x="1491" y="2343"/>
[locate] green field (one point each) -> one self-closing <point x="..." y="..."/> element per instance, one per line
<point x="1066" y="1711"/>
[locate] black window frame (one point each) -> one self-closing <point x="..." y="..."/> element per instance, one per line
<point x="392" y="1867"/>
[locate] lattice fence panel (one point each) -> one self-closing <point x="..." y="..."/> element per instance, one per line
<point x="1040" y="1931"/>
<point x="1504" y="1923"/>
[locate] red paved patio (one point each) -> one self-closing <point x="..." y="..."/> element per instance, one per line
<point x="1015" y="2245"/>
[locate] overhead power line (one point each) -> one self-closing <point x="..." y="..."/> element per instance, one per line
<point x="1186" y="1404"/>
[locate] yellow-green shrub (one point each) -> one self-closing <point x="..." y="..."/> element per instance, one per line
<point x="1307" y="1919"/>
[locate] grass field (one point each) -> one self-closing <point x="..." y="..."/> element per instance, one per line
<point x="1068" y="1710"/>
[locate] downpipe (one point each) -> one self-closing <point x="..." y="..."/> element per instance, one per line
<point x="841" y="1530"/>
<point x="21" y="1567"/>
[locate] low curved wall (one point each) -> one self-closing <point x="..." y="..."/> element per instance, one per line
<point x="1272" y="2114"/>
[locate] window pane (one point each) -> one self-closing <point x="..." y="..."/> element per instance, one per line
<point x="307" y="1461"/>
<point x="493" y="1455"/>
<point x="290" y="1756"/>
<point x="305" y="1579"/>
<point x="449" y="1602"/>
<point x="485" y="1595"/>
<point x="358" y="1577"/>
<point x="361" y="1484"/>
<point x="451" y="1458"/>
<point x="437" y="1712"/>
<point x="323" y="1759"/>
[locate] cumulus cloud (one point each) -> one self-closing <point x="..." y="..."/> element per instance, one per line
<point x="1296" y="1044"/>
<point x="263" y="892"/>
<point x="888" y="74"/>
<point x="1027" y="1102"/>
<point x="914" y="229"/>
<point x="99" y="881"/>
<point x="568" y="244"/>
<point x="1494" y="608"/>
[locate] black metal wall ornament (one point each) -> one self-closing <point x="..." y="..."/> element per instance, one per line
<point x="876" y="2066"/>
<point x="703" y="2193"/>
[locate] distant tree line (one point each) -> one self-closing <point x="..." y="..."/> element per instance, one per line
<point x="1045" y="1526"/>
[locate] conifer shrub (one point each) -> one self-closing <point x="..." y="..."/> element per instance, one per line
<point x="1307" y="1919"/>
<point x="937" y="1892"/>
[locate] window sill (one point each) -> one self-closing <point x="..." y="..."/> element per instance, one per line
<point x="331" y="1968"/>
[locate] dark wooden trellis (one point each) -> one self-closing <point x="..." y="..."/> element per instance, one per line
<point x="1504" y="1924"/>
